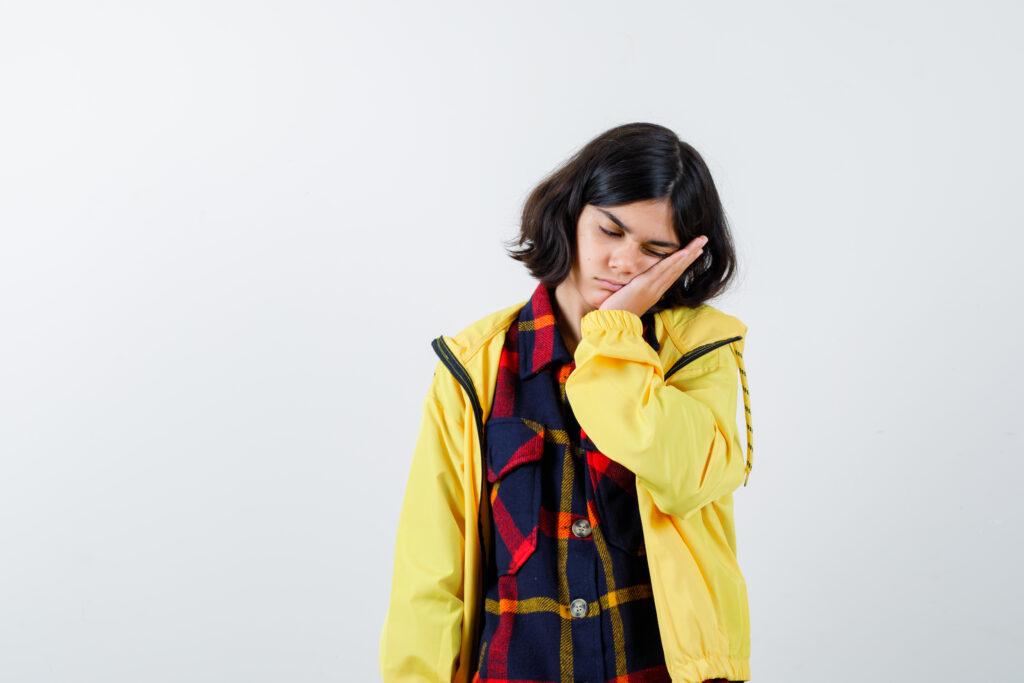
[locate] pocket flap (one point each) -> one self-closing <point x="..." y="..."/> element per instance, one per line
<point x="511" y="442"/>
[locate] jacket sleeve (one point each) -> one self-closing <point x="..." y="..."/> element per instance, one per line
<point x="680" y="438"/>
<point x="421" y="635"/>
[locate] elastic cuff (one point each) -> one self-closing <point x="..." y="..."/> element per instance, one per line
<point x="610" y="319"/>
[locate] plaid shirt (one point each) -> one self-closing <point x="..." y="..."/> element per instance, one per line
<point x="567" y="588"/>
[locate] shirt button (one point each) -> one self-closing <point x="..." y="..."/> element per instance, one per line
<point x="578" y="607"/>
<point x="581" y="527"/>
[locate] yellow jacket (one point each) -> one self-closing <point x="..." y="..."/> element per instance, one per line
<point x="668" y="416"/>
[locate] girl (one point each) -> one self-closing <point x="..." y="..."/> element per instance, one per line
<point x="568" y="514"/>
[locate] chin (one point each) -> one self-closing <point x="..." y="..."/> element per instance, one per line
<point x="597" y="297"/>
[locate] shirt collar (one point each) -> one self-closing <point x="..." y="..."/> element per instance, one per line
<point x="539" y="342"/>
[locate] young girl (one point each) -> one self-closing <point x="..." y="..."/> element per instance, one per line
<point x="568" y="514"/>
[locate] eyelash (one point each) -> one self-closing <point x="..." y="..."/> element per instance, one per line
<point x="618" y="234"/>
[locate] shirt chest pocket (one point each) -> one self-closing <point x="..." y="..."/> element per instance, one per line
<point x="514" y="450"/>
<point x="613" y="488"/>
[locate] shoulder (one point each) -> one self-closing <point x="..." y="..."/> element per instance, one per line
<point x="477" y="349"/>
<point x="689" y="327"/>
<point x="477" y="334"/>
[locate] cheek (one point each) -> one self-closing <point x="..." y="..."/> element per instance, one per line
<point x="589" y="252"/>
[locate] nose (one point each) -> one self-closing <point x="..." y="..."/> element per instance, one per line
<point x="625" y="260"/>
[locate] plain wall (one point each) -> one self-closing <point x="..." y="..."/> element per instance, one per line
<point x="229" y="232"/>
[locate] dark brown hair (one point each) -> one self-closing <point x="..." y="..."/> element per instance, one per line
<point x="628" y="163"/>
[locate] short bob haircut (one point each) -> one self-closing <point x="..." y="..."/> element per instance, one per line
<point x="629" y="163"/>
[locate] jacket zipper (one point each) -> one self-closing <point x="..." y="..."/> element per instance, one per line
<point x="462" y="376"/>
<point x="697" y="352"/>
<point x="440" y="347"/>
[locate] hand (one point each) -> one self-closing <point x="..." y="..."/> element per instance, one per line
<point x="644" y="290"/>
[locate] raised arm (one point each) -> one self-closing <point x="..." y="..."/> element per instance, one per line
<point x="680" y="438"/>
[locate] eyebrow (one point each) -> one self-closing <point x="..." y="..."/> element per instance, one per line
<point x="658" y="243"/>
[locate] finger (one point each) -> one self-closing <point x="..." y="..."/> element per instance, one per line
<point x="699" y="241"/>
<point x="670" y="269"/>
<point x="666" y="271"/>
<point x="680" y="260"/>
<point x="692" y="250"/>
<point x="696" y="245"/>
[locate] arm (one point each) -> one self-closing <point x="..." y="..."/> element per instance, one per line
<point x="680" y="439"/>
<point x="422" y="630"/>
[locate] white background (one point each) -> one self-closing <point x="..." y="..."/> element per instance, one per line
<point x="230" y="231"/>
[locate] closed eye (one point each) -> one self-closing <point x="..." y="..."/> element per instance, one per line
<point x="619" y="234"/>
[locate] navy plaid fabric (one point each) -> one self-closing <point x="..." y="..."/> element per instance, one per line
<point x="567" y="589"/>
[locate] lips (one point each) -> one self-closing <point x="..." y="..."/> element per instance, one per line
<point x="609" y="285"/>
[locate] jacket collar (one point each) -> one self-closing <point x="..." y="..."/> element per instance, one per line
<point x="538" y="340"/>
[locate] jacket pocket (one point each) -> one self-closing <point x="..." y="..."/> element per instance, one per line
<point x="514" y="450"/>
<point x="613" y="487"/>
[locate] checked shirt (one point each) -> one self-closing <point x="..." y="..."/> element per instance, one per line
<point x="567" y="587"/>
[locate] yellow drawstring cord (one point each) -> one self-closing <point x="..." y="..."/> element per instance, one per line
<point x="747" y="414"/>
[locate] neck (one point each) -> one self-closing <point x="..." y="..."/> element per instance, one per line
<point x="571" y="307"/>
